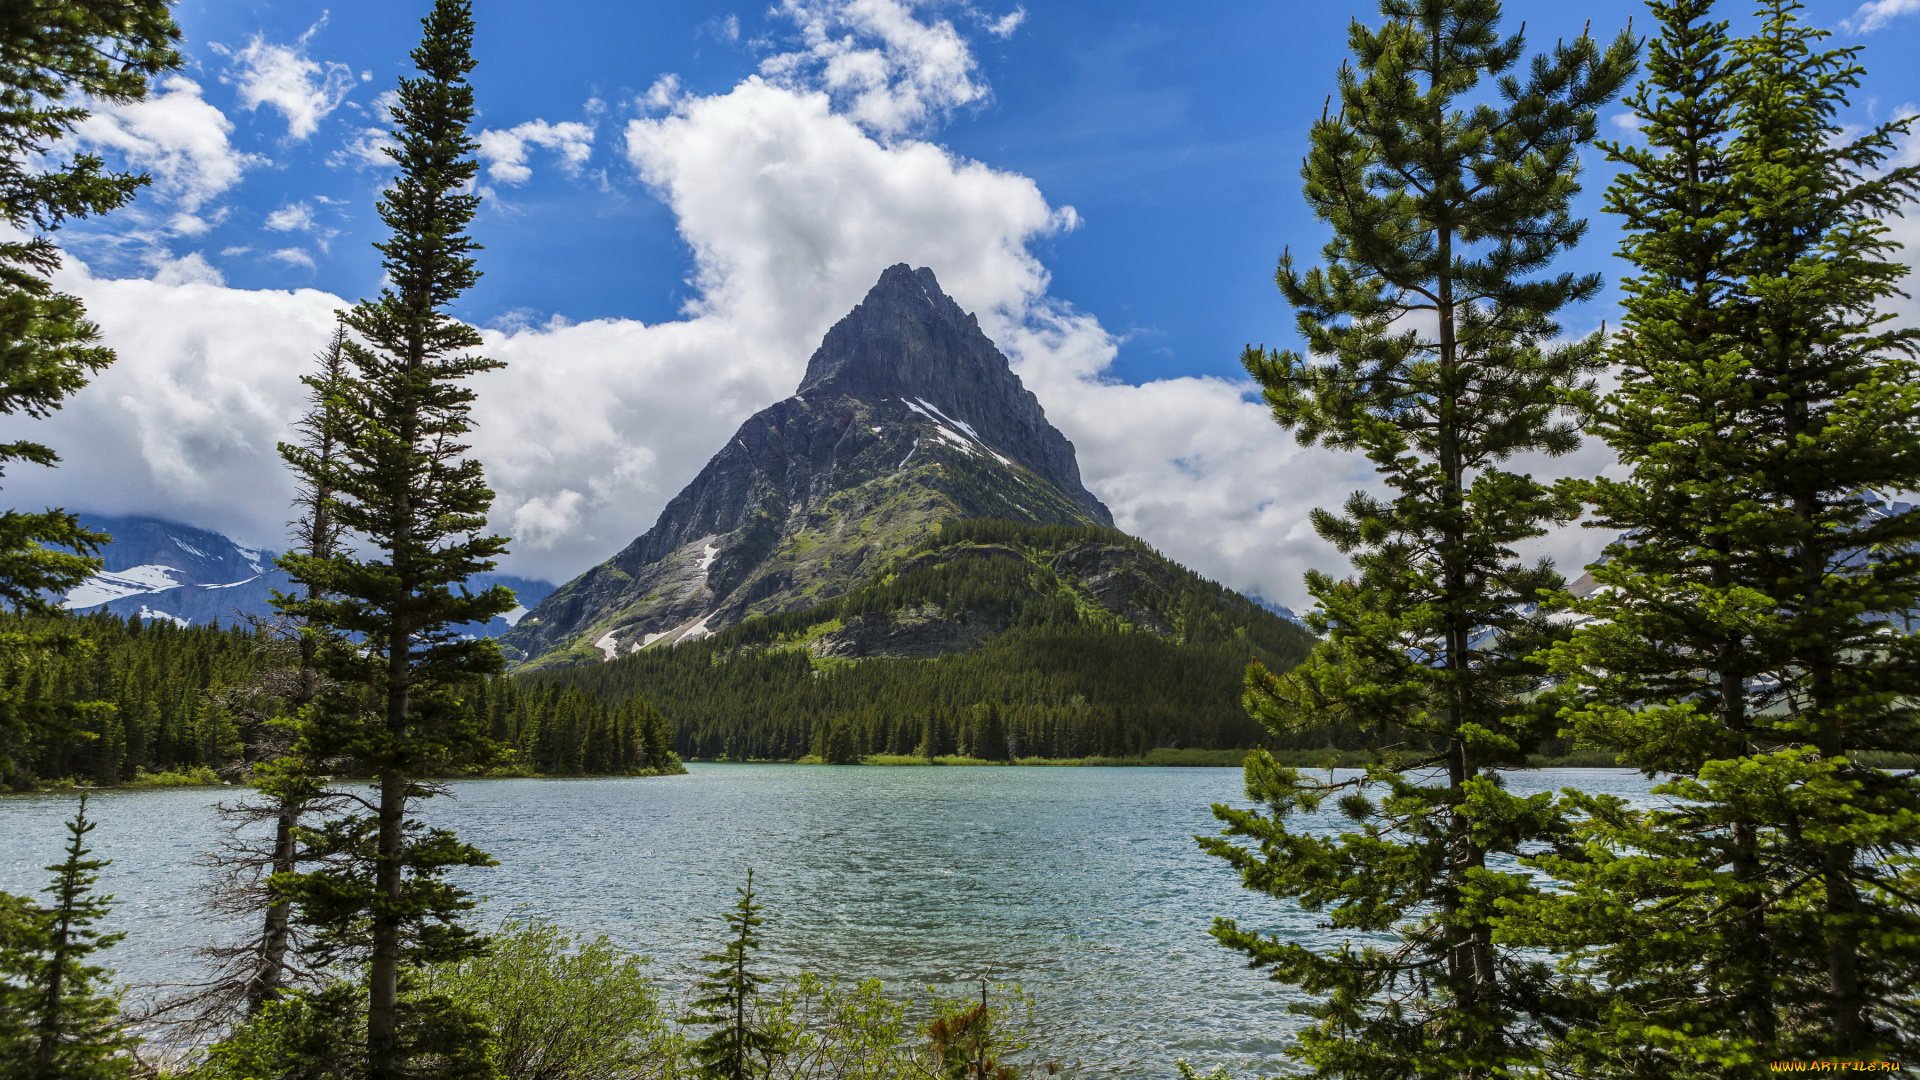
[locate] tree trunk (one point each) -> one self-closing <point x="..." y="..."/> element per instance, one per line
<point x="1757" y="997"/>
<point x="269" y="981"/>
<point x="50" y="1019"/>
<point x="383" y="977"/>
<point x="1845" y="1009"/>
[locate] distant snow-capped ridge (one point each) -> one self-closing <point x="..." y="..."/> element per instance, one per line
<point x="159" y="569"/>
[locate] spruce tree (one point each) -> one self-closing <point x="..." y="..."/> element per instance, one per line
<point x="60" y="1022"/>
<point x="725" y="1004"/>
<point x="291" y="789"/>
<point x="263" y="838"/>
<point x="1432" y="325"/>
<point x="389" y="601"/>
<point x="55" y="54"/>
<point x="1750" y="637"/>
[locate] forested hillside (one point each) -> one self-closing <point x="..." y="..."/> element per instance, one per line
<point x="561" y="731"/>
<point x="990" y="639"/>
<point x="150" y="696"/>
<point x="135" y="695"/>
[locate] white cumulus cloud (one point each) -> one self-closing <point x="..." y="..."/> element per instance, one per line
<point x="1004" y="26"/>
<point x="885" y="68"/>
<point x="662" y="94"/>
<point x="184" y="424"/>
<point x="1876" y="14"/>
<point x="792" y="200"/>
<point x="504" y="151"/>
<point x="177" y="137"/>
<point x="189" y="269"/>
<point x="293" y="256"/>
<point x="284" y="78"/>
<point x="293" y="217"/>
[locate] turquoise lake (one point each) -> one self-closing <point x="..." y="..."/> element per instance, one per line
<point x="1082" y="884"/>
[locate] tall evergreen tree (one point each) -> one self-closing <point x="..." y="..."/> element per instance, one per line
<point x="57" y="1020"/>
<point x="55" y="54"/>
<point x="416" y="508"/>
<point x="1749" y="637"/>
<point x="725" y="1005"/>
<point x="289" y="791"/>
<point x="290" y="786"/>
<point x="1434" y="316"/>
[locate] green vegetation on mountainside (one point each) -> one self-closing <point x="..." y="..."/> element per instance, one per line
<point x="799" y="564"/>
<point x="1093" y="645"/>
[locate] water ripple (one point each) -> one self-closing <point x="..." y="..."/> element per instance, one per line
<point x="1084" y="885"/>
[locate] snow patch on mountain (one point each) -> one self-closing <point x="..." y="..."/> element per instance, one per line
<point x="112" y="585"/>
<point x="608" y="645"/>
<point x="209" y="578"/>
<point x="697" y="631"/>
<point x="972" y="444"/>
<point x="155" y="613"/>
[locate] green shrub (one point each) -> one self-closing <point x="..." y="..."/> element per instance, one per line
<point x="562" y="1007"/>
<point x="322" y="1035"/>
<point x="303" y="1036"/>
<point x="192" y="776"/>
<point x="855" y="1032"/>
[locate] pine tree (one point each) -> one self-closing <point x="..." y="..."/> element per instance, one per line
<point x="60" y="1022"/>
<point x="416" y="509"/>
<point x="729" y="1050"/>
<point x="1748" y="638"/>
<point x="656" y="738"/>
<point x="986" y="734"/>
<point x="54" y="54"/>
<point x="1446" y="213"/>
<point x="290" y="786"/>
<point x="289" y="792"/>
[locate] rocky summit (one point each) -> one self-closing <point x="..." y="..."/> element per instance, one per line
<point x="908" y="416"/>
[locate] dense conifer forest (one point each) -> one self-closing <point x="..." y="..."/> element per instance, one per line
<point x="562" y="731"/>
<point x="1064" y="677"/>
<point x="138" y="696"/>
<point x="142" y="697"/>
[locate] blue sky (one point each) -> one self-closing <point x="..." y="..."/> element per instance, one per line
<point x="1115" y="179"/>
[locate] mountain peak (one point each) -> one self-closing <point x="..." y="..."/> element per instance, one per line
<point x="908" y="338"/>
<point x="907" y="342"/>
<point x="908" y="416"/>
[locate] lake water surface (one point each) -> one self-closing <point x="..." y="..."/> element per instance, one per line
<point x="1082" y="884"/>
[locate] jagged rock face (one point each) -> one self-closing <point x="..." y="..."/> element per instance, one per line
<point x="908" y="416"/>
<point x="908" y="341"/>
<point x="917" y="634"/>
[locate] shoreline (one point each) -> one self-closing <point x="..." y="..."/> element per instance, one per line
<point x="1162" y="759"/>
<point x="204" y="777"/>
